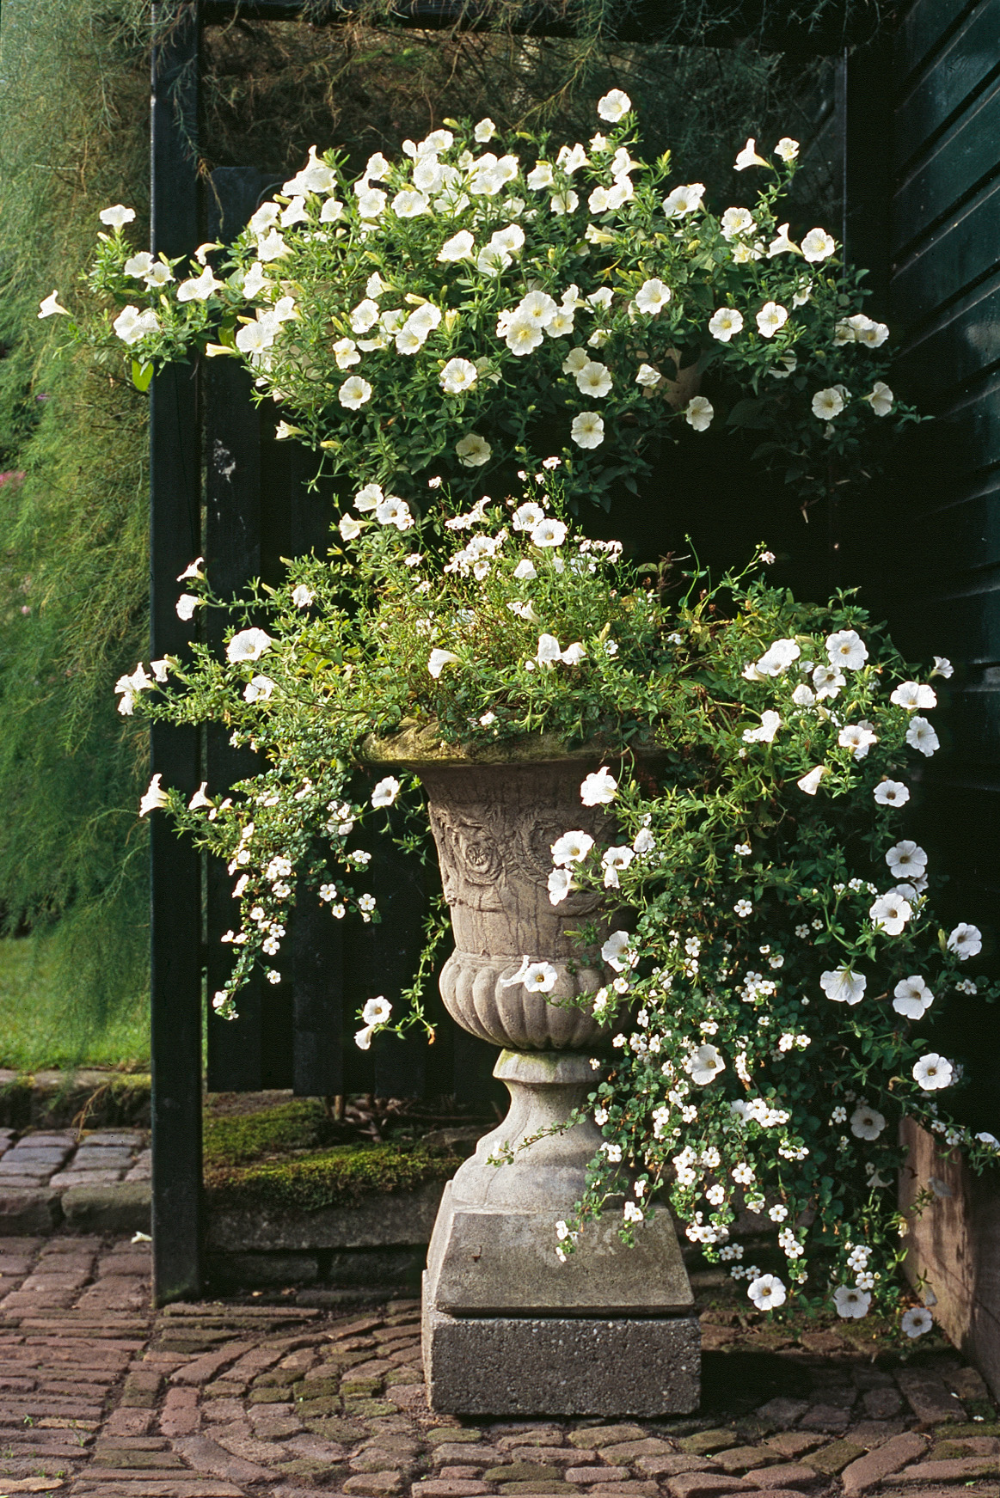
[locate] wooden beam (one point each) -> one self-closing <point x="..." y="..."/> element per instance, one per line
<point x="175" y="539"/>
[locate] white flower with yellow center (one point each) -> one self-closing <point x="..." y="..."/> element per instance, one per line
<point x="818" y="245"/>
<point x="699" y="412"/>
<point x="614" y="106"/>
<point x="736" y="221"/>
<point x="652" y="296"/>
<point x="473" y="451"/>
<point x="684" y="200"/>
<point x="587" y="430"/>
<point x="725" y="324"/>
<point x="594" y="379"/>
<point x="771" y="319"/>
<point x="457" y="375"/>
<point x="354" y="392"/>
<point x="880" y="398"/>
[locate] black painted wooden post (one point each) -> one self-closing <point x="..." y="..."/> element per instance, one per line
<point x="175" y="536"/>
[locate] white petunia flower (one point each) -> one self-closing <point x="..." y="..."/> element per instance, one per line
<point x="684" y="200"/>
<point x="921" y="736"/>
<point x="913" y="694"/>
<point x="828" y="681"/>
<point x="843" y="986"/>
<point x="770" y="722"/>
<point x="827" y="404"/>
<point x="599" y="788"/>
<point x="199" y="288"/>
<point x="782" y="245"/>
<point x="186" y="605"/>
<point x="932" y="1072"/>
<point x="942" y="667"/>
<point x="154" y="797"/>
<point x="858" y="737"/>
<point x="891" y="912"/>
<point x="587" y="430"/>
<point x="818" y="245"/>
<point x="652" y="296"/>
<point x="771" y="317"/>
<point x="548" y="532"/>
<point x="248" y="645"/>
<point x="560" y="882"/>
<point x="891" y="793"/>
<point x="594" y="379"/>
<point x="458" y="247"/>
<point x="50" y="306"/>
<point x="917" y="1321"/>
<point x="438" y="659"/>
<point x="850" y="1302"/>
<point x="539" y="977"/>
<point x="704" y="1064"/>
<point x="787" y="148"/>
<point x="457" y="375"/>
<point x="614" y="106"/>
<point x="349" y="528"/>
<point x="846" y="650"/>
<point x="473" y="450"/>
<point x="116" y="217"/>
<point x="549" y="650"/>
<point x="866" y="1123"/>
<point x="809" y="783"/>
<point x="345" y="351"/>
<point x="965" y="941"/>
<point x="562" y="203"/>
<point x="572" y="847"/>
<point x="354" y="392"/>
<point x="258" y="689"/>
<point x="615" y="949"/>
<point x="699" y="412"/>
<point x="385" y="793"/>
<point x="778" y="657"/>
<point x="911" y="997"/>
<point x="907" y="860"/>
<point x="748" y="157"/>
<point x="725" y="324"/>
<point x="648" y="377"/>
<point x="880" y="398"/>
<point x="131" y="324"/>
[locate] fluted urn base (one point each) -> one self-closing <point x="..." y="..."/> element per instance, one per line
<point x="509" y="1327"/>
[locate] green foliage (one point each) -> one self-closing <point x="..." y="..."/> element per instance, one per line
<point x="41" y="1029"/>
<point x="247" y="1138"/>
<point x="72" y="531"/>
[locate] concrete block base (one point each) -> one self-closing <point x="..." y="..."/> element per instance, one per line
<point x="571" y="1365"/>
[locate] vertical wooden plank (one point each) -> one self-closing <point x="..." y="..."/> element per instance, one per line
<point x="232" y="549"/>
<point x="866" y="109"/>
<point x="175" y="529"/>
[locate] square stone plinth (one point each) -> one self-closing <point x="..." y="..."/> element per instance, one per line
<point x="572" y="1365"/>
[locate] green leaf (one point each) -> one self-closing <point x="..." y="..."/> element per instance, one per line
<point x="142" y="374"/>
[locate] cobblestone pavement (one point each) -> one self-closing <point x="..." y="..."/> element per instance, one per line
<point x="244" y="1398"/>
<point x="59" y="1159"/>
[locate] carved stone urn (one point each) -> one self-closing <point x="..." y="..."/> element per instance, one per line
<point x="509" y="1328"/>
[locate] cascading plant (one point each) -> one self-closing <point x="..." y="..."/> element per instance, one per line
<point x="459" y="311"/>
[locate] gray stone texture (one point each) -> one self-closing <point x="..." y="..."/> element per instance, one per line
<point x="394" y="1220"/>
<point x="123" y="1207"/>
<point x="561" y="1365"/>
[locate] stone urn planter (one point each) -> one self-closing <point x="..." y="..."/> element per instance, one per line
<point x="508" y="1327"/>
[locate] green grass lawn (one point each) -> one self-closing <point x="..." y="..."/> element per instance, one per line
<point x="38" y="1030"/>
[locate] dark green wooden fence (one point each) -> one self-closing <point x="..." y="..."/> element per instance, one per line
<point x="926" y="186"/>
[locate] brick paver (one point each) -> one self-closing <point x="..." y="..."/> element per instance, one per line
<point x="99" y="1398"/>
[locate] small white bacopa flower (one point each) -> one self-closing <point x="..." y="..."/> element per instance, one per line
<point x="911" y="997"/>
<point x="965" y="941"/>
<point x="599" y="788"/>
<point x="891" y="793"/>
<point x="843" y="986"/>
<point x="866" y="1123"/>
<point x="850" y="1302"/>
<point x="767" y="1292"/>
<point x="917" y="1321"/>
<point x="704" y="1064"/>
<point x="248" y="645"/>
<point x="385" y="792"/>
<point x="932" y="1072"/>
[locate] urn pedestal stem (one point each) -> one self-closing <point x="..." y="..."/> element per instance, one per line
<point x="510" y="1328"/>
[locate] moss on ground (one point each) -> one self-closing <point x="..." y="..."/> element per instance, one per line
<point x="328" y="1178"/>
<point x="283" y="1158"/>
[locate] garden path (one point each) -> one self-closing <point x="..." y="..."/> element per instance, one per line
<point x="270" y="1397"/>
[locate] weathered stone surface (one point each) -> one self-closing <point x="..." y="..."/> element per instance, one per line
<point x="703" y="1485"/>
<point x="743" y="1458"/>
<point x="833" y="1458"/>
<point x="121" y="1208"/>
<point x="784" y="1475"/>
<point x="395" y="1220"/>
<point x="527" y="1366"/>
<point x="793" y="1443"/>
<point x="704" y="1442"/>
<point x="966" y="1470"/>
<point x="599" y="1436"/>
<point x="870" y="1469"/>
<point x="928" y="1398"/>
<point x="783" y="1412"/>
<point x="881" y="1404"/>
<point x="28" y="1211"/>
